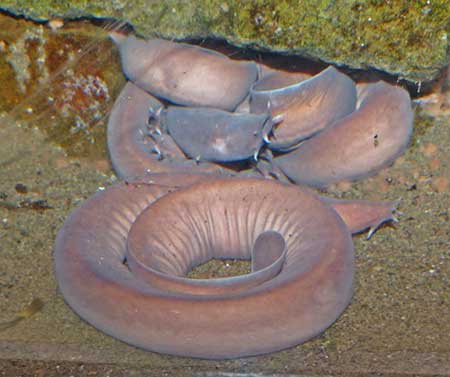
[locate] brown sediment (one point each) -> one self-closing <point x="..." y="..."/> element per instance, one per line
<point x="35" y="306"/>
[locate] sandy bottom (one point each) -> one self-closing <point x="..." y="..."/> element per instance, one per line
<point x="395" y="324"/>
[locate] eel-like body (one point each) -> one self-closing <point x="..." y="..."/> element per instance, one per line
<point x="216" y="135"/>
<point x="136" y="147"/>
<point x="185" y="74"/>
<point x="122" y="256"/>
<point x="304" y="107"/>
<point x="358" y="145"/>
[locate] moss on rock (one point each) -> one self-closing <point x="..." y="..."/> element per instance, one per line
<point x="406" y="38"/>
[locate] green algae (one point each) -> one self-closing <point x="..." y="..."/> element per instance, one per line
<point x="405" y="38"/>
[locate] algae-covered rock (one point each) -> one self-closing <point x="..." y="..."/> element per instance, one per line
<point x="61" y="81"/>
<point x="64" y="80"/>
<point x="406" y="38"/>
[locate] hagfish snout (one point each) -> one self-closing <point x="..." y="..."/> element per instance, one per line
<point x="216" y="135"/>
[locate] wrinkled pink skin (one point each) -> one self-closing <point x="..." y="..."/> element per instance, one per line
<point x="304" y="106"/>
<point x="345" y="145"/>
<point x="132" y="152"/>
<point x="215" y="135"/>
<point x="165" y="224"/>
<point x="358" y="145"/>
<point x="205" y="217"/>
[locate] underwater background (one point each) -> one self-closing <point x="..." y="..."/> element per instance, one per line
<point x="59" y="76"/>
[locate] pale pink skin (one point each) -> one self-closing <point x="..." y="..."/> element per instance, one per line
<point x="131" y="152"/>
<point x="353" y="145"/>
<point x="206" y="134"/>
<point x="164" y="224"/>
<point x="204" y="217"/>
<point x="360" y="215"/>
<point x="185" y="74"/>
<point x="359" y="144"/>
<point x="304" y="106"/>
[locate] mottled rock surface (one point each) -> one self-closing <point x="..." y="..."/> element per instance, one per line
<point x="61" y="81"/>
<point x="405" y="38"/>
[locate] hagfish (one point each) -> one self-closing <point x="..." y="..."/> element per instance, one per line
<point x="185" y="74"/>
<point x="135" y="148"/>
<point x="303" y="107"/>
<point x="358" y="145"/>
<point x="122" y="257"/>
